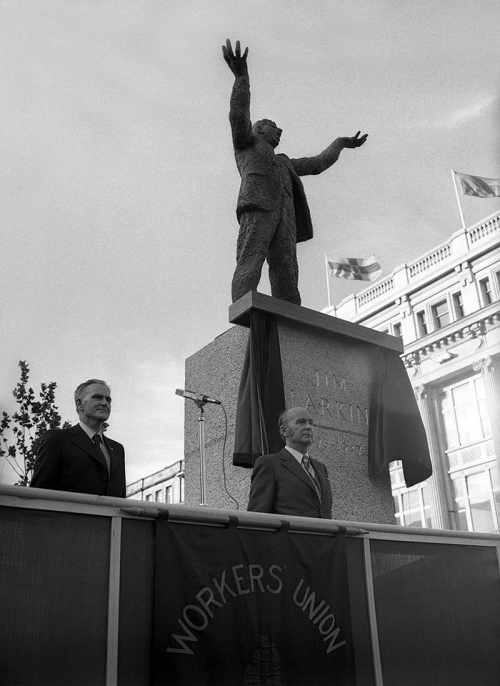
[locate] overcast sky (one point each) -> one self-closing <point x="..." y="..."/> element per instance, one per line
<point x="119" y="185"/>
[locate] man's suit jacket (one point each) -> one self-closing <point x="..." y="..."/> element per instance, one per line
<point x="280" y="485"/>
<point x="67" y="460"/>
<point x="259" y="167"/>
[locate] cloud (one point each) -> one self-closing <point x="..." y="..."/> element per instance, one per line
<point x="465" y="114"/>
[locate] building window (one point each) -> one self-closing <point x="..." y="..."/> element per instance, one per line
<point x="471" y="459"/>
<point x="485" y="291"/>
<point x="181" y="489"/>
<point x="412" y="505"/>
<point x="169" y="494"/>
<point x="458" y="305"/>
<point x="149" y="497"/>
<point x="158" y="496"/>
<point x="396" y="474"/>
<point x="396" y="329"/>
<point x="421" y="323"/>
<point x="476" y="500"/>
<point x="440" y="314"/>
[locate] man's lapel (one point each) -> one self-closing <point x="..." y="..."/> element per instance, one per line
<point x="80" y="438"/>
<point x="289" y="462"/>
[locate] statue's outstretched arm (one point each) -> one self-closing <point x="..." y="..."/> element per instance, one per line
<point x="315" y="165"/>
<point x="239" y="112"/>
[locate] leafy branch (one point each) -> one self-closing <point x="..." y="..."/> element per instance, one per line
<point x="21" y="432"/>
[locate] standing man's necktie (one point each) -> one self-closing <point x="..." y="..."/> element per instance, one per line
<point x="306" y="464"/>
<point x="98" y="442"/>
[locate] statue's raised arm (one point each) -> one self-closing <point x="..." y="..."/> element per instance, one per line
<point x="239" y="112"/>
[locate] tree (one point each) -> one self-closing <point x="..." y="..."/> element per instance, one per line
<point x="21" y="432"/>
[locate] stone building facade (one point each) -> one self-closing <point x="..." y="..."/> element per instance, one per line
<point x="163" y="486"/>
<point x="445" y="305"/>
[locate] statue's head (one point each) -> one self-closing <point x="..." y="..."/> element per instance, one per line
<point x="267" y="129"/>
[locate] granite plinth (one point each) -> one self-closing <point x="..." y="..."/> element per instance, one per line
<point x="215" y="370"/>
<point x="326" y="368"/>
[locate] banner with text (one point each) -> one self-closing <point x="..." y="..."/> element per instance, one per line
<point x="238" y="607"/>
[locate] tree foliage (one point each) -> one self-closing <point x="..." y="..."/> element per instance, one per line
<point x="21" y="432"/>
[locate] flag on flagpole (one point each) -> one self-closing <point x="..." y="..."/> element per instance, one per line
<point x="359" y="268"/>
<point x="479" y="186"/>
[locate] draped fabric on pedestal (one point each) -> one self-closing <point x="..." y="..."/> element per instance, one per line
<point x="395" y="428"/>
<point x="261" y="397"/>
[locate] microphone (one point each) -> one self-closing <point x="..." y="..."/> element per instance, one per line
<point x="197" y="397"/>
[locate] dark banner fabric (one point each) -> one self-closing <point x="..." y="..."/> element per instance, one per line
<point x="250" y="608"/>
<point x="261" y="396"/>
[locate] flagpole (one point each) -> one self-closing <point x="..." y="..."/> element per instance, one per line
<point x="457" y="194"/>
<point x="328" y="283"/>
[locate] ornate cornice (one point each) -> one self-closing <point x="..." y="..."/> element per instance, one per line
<point x="411" y="359"/>
<point x="472" y="330"/>
<point x="485" y="364"/>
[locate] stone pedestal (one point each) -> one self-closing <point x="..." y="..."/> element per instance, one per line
<point x="326" y="368"/>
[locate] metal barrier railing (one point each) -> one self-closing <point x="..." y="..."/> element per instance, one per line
<point x="119" y="510"/>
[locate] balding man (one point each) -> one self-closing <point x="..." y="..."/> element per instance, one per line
<point x="81" y="458"/>
<point x="291" y="482"/>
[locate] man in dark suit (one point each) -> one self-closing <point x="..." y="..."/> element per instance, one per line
<point x="272" y="208"/>
<point x="81" y="458"/>
<point x="291" y="482"/>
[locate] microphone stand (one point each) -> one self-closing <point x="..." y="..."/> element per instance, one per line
<point x="201" y="439"/>
<point x="200" y="401"/>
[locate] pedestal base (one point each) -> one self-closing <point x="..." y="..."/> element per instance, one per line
<point x="326" y="368"/>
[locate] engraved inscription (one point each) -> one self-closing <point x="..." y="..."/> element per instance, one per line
<point x="334" y="441"/>
<point x="332" y="381"/>
<point x="351" y="412"/>
<point x="339" y="415"/>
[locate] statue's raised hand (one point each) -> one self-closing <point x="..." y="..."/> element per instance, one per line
<point x="236" y="62"/>
<point x="354" y="141"/>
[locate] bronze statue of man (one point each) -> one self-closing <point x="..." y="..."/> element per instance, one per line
<point x="272" y="208"/>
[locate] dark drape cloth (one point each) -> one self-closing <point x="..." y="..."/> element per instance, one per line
<point x="395" y="429"/>
<point x="251" y="608"/>
<point x="261" y="397"/>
